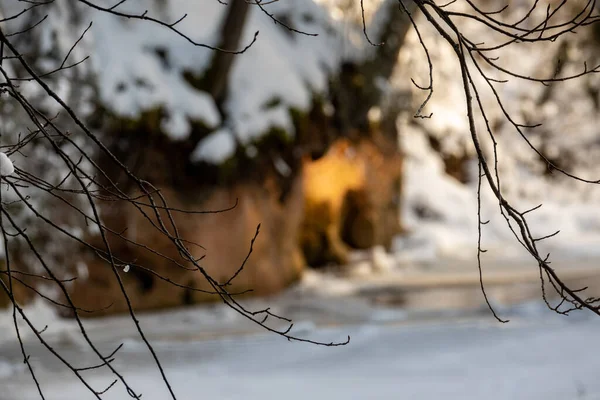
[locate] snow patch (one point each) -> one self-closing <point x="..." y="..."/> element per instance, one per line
<point x="215" y="148"/>
<point x="8" y="369"/>
<point x="43" y="317"/>
<point x="142" y="66"/>
<point x="6" y="166"/>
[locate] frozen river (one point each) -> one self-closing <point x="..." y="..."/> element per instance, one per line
<point x="538" y="355"/>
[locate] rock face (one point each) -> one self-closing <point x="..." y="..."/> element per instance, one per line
<point x="21" y="293"/>
<point x="346" y="199"/>
<point x="351" y="201"/>
<point x="334" y="195"/>
<point x="225" y="239"/>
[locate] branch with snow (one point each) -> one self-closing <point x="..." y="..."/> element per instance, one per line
<point x="6" y="166"/>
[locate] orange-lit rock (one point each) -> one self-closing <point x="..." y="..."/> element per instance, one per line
<point x="351" y="200"/>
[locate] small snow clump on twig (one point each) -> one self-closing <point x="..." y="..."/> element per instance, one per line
<point x="6" y="166"/>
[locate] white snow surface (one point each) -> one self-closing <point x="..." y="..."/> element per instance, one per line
<point x="393" y="352"/>
<point x="132" y="77"/>
<point x="532" y="357"/>
<point x="441" y="214"/>
<point x="215" y="148"/>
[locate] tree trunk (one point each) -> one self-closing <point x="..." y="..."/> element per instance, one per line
<point x="217" y="76"/>
<point x="357" y="90"/>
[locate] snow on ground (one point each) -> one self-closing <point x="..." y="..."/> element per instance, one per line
<point x="395" y="352"/>
<point x="533" y="357"/>
<point x="211" y="351"/>
<point x="8" y="368"/>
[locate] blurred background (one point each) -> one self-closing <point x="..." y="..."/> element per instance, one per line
<point x="367" y="203"/>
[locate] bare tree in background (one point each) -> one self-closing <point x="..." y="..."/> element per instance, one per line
<point x="231" y="31"/>
<point x="64" y="139"/>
